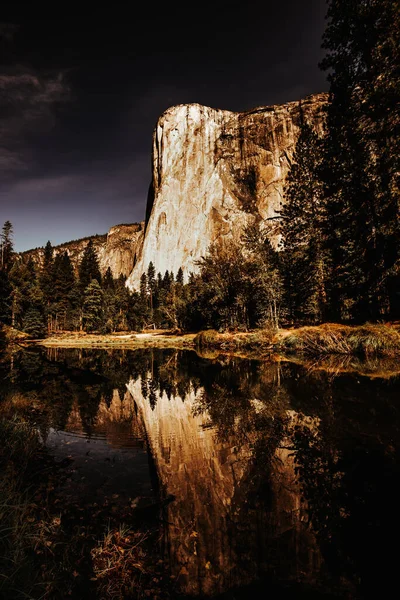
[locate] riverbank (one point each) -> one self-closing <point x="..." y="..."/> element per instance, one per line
<point x="151" y="339"/>
<point x="326" y="339"/>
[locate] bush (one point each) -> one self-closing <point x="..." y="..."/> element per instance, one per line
<point x="206" y="338"/>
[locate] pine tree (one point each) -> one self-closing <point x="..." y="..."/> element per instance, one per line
<point x="303" y="258"/>
<point x="151" y="284"/>
<point x="6" y="246"/>
<point x="122" y="304"/>
<point x="46" y="274"/>
<point x="361" y="174"/>
<point x="63" y="285"/>
<point x="167" y="281"/>
<point x="5" y="297"/>
<point x="33" y="323"/>
<point x="179" y="276"/>
<point x="93" y="306"/>
<point x="108" y="281"/>
<point x="143" y="288"/>
<point x="89" y="267"/>
<point x="46" y="283"/>
<point x="26" y="292"/>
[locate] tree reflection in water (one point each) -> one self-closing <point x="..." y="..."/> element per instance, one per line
<point x="278" y="470"/>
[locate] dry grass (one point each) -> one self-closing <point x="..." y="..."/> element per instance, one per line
<point x="253" y="341"/>
<point x="150" y="339"/>
<point x="14" y="335"/>
<point x="364" y="340"/>
<point x="119" y="562"/>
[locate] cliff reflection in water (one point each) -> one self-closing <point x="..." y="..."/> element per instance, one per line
<point x="279" y="472"/>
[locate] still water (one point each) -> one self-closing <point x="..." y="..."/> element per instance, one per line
<point x="265" y="477"/>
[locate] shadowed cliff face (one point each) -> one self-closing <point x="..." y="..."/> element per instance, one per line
<point x="119" y="249"/>
<point x="214" y="171"/>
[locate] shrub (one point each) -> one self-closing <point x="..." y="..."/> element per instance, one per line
<point x="206" y="338"/>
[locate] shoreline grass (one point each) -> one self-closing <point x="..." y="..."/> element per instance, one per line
<point x="319" y="340"/>
<point x="334" y="339"/>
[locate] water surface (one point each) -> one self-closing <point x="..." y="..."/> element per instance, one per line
<point x="264" y="476"/>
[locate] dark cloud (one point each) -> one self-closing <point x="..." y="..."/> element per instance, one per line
<point x="27" y="110"/>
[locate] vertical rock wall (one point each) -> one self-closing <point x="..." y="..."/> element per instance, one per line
<point x="214" y="171"/>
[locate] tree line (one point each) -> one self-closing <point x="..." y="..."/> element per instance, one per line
<point x="340" y="223"/>
<point x="44" y="298"/>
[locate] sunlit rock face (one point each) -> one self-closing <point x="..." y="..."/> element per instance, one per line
<point x="119" y="249"/>
<point x="217" y="532"/>
<point x="214" y="171"/>
<point x="122" y="249"/>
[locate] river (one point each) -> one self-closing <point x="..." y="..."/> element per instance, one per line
<point x="273" y="477"/>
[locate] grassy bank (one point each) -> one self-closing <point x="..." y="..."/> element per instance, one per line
<point x="153" y="339"/>
<point x="259" y="342"/>
<point x="329" y="338"/>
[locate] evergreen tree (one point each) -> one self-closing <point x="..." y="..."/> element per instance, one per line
<point x="6" y="246"/>
<point x="122" y="304"/>
<point x="93" y="306"/>
<point x="143" y="288"/>
<point x="89" y="267"/>
<point x="46" y="283"/>
<point x="179" y="276"/>
<point x="6" y="257"/>
<point x="5" y="297"/>
<point x="303" y="257"/>
<point x="63" y="287"/>
<point x="159" y="283"/>
<point x="33" y="323"/>
<point x="26" y="292"/>
<point x="167" y="281"/>
<point x="361" y="173"/>
<point x="151" y="284"/>
<point x="108" y="281"/>
<point x="46" y="273"/>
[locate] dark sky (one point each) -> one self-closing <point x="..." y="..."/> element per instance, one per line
<point x="79" y="98"/>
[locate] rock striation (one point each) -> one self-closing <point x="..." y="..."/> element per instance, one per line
<point x="119" y="249"/>
<point x="214" y="171"/>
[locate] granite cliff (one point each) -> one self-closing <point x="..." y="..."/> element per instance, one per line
<point x="214" y="171"/>
<point x="119" y="249"/>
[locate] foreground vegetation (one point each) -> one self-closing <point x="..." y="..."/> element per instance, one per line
<point x="51" y="550"/>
